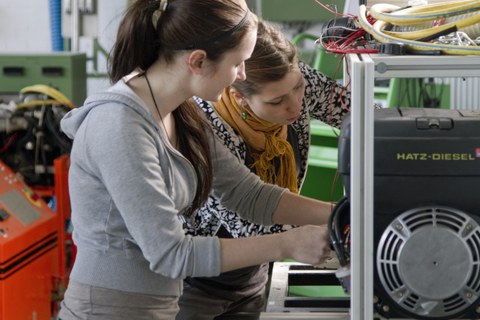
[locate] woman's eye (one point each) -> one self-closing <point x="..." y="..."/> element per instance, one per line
<point x="276" y="103"/>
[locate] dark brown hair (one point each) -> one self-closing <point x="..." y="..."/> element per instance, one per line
<point x="272" y="58"/>
<point x="215" y="26"/>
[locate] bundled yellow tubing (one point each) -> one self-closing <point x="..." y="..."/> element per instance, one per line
<point x="48" y="91"/>
<point x="376" y="30"/>
<point x="422" y="13"/>
<point x="417" y="34"/>
<point x="35" y="103"/>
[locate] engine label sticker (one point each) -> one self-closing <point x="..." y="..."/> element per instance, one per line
<point x="438" y="156"/>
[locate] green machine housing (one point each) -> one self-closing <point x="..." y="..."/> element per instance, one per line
<point x="64" y="71"/>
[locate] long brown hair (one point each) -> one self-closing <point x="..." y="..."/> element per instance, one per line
<point x="215" y="26"/>
<point x="272" y="58"/>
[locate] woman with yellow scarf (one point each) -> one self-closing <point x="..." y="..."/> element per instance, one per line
<point x="264" y="121"/>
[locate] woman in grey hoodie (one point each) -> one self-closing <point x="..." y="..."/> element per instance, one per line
<point x="143" y="154"/>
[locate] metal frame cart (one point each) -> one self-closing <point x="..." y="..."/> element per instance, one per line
<point x="361" y="70"/>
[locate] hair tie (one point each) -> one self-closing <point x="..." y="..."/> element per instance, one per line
<point x="158" y="12"/>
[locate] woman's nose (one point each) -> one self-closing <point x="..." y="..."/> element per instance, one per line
<point x="241" y="75"/>
<point x="296" y="105"/>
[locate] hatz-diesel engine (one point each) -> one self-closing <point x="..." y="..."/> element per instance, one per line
<point x="426" y="211"/>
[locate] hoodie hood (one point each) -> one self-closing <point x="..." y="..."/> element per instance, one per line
<point x="118" y="93"/>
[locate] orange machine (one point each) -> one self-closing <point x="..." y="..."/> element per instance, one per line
<point x="29" y="243"/>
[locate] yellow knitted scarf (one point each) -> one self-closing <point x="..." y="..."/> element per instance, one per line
<point x="267" y="141"/>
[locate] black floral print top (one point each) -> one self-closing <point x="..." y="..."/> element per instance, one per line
<point x="325" y="99"/>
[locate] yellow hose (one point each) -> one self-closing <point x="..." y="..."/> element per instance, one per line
<point x="376" y="31"/>
<point x="35" y="103"/>
<point x="50" y="92"/>
<point x="422" y="13"/>
<point x="417" y="34"/>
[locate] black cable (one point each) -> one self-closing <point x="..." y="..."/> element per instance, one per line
<point x="438" y="34"/>
<point x="335" y="229"/>
<point x="61" y="140"/>
<point x="422" y="92"/>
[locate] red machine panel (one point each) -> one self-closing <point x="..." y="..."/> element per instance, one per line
<point x="28" y="251"/>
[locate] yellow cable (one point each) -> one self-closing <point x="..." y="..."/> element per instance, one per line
<point x="35" y="103"/>
<point x="49" y="91"/>
<point x="417" y="34"/>
<point x="440" y="8"/>
<point x="399" y="16"/>
<point x="380" y="36"/>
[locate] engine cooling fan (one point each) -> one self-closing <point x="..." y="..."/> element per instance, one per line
<point x="428" y="264"/>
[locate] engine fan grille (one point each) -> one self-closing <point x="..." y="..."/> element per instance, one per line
<point x="428" y="261"/>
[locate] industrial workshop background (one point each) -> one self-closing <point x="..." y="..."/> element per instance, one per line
<point x="53" y="55"/>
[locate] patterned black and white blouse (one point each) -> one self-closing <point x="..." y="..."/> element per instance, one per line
<point x="325" y="99"/>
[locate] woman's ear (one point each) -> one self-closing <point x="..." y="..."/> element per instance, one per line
<point x="196" y="62"/>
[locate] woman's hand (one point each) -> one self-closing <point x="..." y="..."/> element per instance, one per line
<point x="306" y="244"/>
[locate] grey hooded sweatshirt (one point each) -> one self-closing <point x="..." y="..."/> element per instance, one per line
<point x="127" y="187"/>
